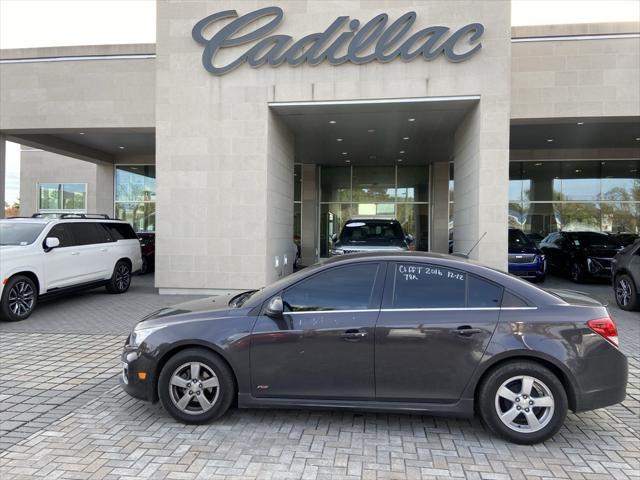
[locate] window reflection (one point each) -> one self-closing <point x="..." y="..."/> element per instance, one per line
<point x="135" y="193"/>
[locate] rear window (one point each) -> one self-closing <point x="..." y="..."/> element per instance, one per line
<point x="120" y="231"/>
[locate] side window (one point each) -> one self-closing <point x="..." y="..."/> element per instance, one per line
<point x="120" y="231"/>
<point x="341" y="288"/>
<point x="509" y="300"/>
<point x="85" y="233"/>
<point x="62" y="233"/>
<point x="428" y="286"/>
<point x="482" y="294"/>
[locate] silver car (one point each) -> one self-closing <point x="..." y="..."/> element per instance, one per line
<point x="370" y="234"/>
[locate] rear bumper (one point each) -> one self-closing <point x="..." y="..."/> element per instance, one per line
<point x="603" y="382"/>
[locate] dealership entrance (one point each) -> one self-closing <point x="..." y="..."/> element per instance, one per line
<point x="373" y="158"/>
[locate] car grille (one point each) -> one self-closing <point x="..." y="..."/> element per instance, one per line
<point x="522" y="258"/>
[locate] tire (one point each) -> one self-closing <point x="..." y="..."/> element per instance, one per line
<point x="121" y="278"/>
<point x="576" y="273"/>
<point x="626" y="293"/>
<point x="179" y="371"/>
<point x="526" y="428"/>
<point x="19" y="298"/>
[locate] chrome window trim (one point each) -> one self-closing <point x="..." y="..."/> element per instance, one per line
<point x="435" y="309"/>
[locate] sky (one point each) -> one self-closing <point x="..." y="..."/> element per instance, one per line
<point x="38" y="23"/>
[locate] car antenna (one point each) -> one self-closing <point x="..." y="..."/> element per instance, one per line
<point x="476" y="244"/>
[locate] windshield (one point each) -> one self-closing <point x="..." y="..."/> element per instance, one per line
<point x="518" y="239"/>
<point x="368" y="230"/>
<point x="14" y="233"/>
<point x="593" y="240"/>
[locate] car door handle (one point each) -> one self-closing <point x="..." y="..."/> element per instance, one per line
<point x="466" y="330"/>
<point x="104" y="249"/>
<point x="75" y="253"/>
<point x="353" y="335"/>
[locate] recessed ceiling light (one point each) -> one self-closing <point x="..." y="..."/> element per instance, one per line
<point x="412" y="119"/>
<point x="401" y="152"/>
<point x="405" y="138"/>
<point x="344" y="153"/>
<point x="633" y="170"/>
<point x="549" y="140"/>
<point x="371" y="130"/>
<point x="578" y="170"/>
<point x="372" y="157"/>
<point x="399" y="160"/>
<point x="580" y="123"/>
<point x="338" y="139"/>
<point x="538" y="164"/>
<point x="332" y="122"/>
<point x="121" y="147"/>
<point x="603" y="163"/>
<point x="347" y="161"/>
<point x="637" y="139"/>
<point x="81" y="133"/>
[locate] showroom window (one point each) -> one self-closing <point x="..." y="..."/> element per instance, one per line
<point x="549" y="196"/>
<point x="62" y="197"/>
<point x="135" y="196"/>
<point x="400" y="191"/>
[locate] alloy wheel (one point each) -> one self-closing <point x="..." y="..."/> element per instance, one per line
<point x="524" y="404"/>
<point x="623" y="292"/>
<point x="21" y="298"/>
<point x="194" y="388"/>
<point x="123" y="277"/>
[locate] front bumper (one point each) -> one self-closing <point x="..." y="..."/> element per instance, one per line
<point x="535" y="270"/>
<point x="132" y="365"/>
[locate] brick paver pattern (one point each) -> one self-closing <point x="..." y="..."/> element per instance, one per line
<point x="105" y="434"/>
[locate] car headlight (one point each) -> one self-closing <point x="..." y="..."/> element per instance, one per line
<point x="140" y="334"/>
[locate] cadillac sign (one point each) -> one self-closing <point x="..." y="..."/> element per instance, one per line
<point x="343" y="41"/>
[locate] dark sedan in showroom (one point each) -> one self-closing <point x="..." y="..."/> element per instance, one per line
<point x="525" y="259"/>
<point x="580" y="255"/>
<point x="403" y="332"/>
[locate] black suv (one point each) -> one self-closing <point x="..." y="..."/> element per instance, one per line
<point x="581" y="255"/>
<point x="626" y="277"/>
<point x="374" y="234"/>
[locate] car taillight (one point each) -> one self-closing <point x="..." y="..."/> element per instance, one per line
<point x="606" y="328"/>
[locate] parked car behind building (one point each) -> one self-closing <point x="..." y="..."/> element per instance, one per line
<point x="370" y="234"/>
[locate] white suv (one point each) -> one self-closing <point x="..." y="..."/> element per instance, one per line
<point x="44" y="256"/>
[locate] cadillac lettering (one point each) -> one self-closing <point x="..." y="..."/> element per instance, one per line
<point x="343" y="41"/>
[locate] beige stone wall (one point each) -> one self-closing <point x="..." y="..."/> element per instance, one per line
<point x="575" y="78"/>
<point x="213" y="133"/>
<point x="77" y="94"/>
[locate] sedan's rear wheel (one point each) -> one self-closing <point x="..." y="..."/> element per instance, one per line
<point x="196" y="386"/>
<point x="626" y="293"/>
<point x="523" y="402"/>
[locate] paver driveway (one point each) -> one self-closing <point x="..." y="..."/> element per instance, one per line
<point x="63" y="416"/>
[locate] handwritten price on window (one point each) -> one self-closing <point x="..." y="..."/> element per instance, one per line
<point x="414" y="272"/>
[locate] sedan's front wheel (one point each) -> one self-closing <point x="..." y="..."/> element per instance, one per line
<point x="523" y="402"/>
<point x="196" y="386"/>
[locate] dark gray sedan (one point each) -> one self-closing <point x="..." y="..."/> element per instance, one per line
<point x="404" y="332"/>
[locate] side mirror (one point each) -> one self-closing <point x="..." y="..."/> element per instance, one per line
<point x="51" y="243"/>
<point x="275" y="308"/>
<point x="334" y="237"/>
<point x="409" y="238"/>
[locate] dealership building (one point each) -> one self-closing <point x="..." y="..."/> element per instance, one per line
<point x="251" y="125"/>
